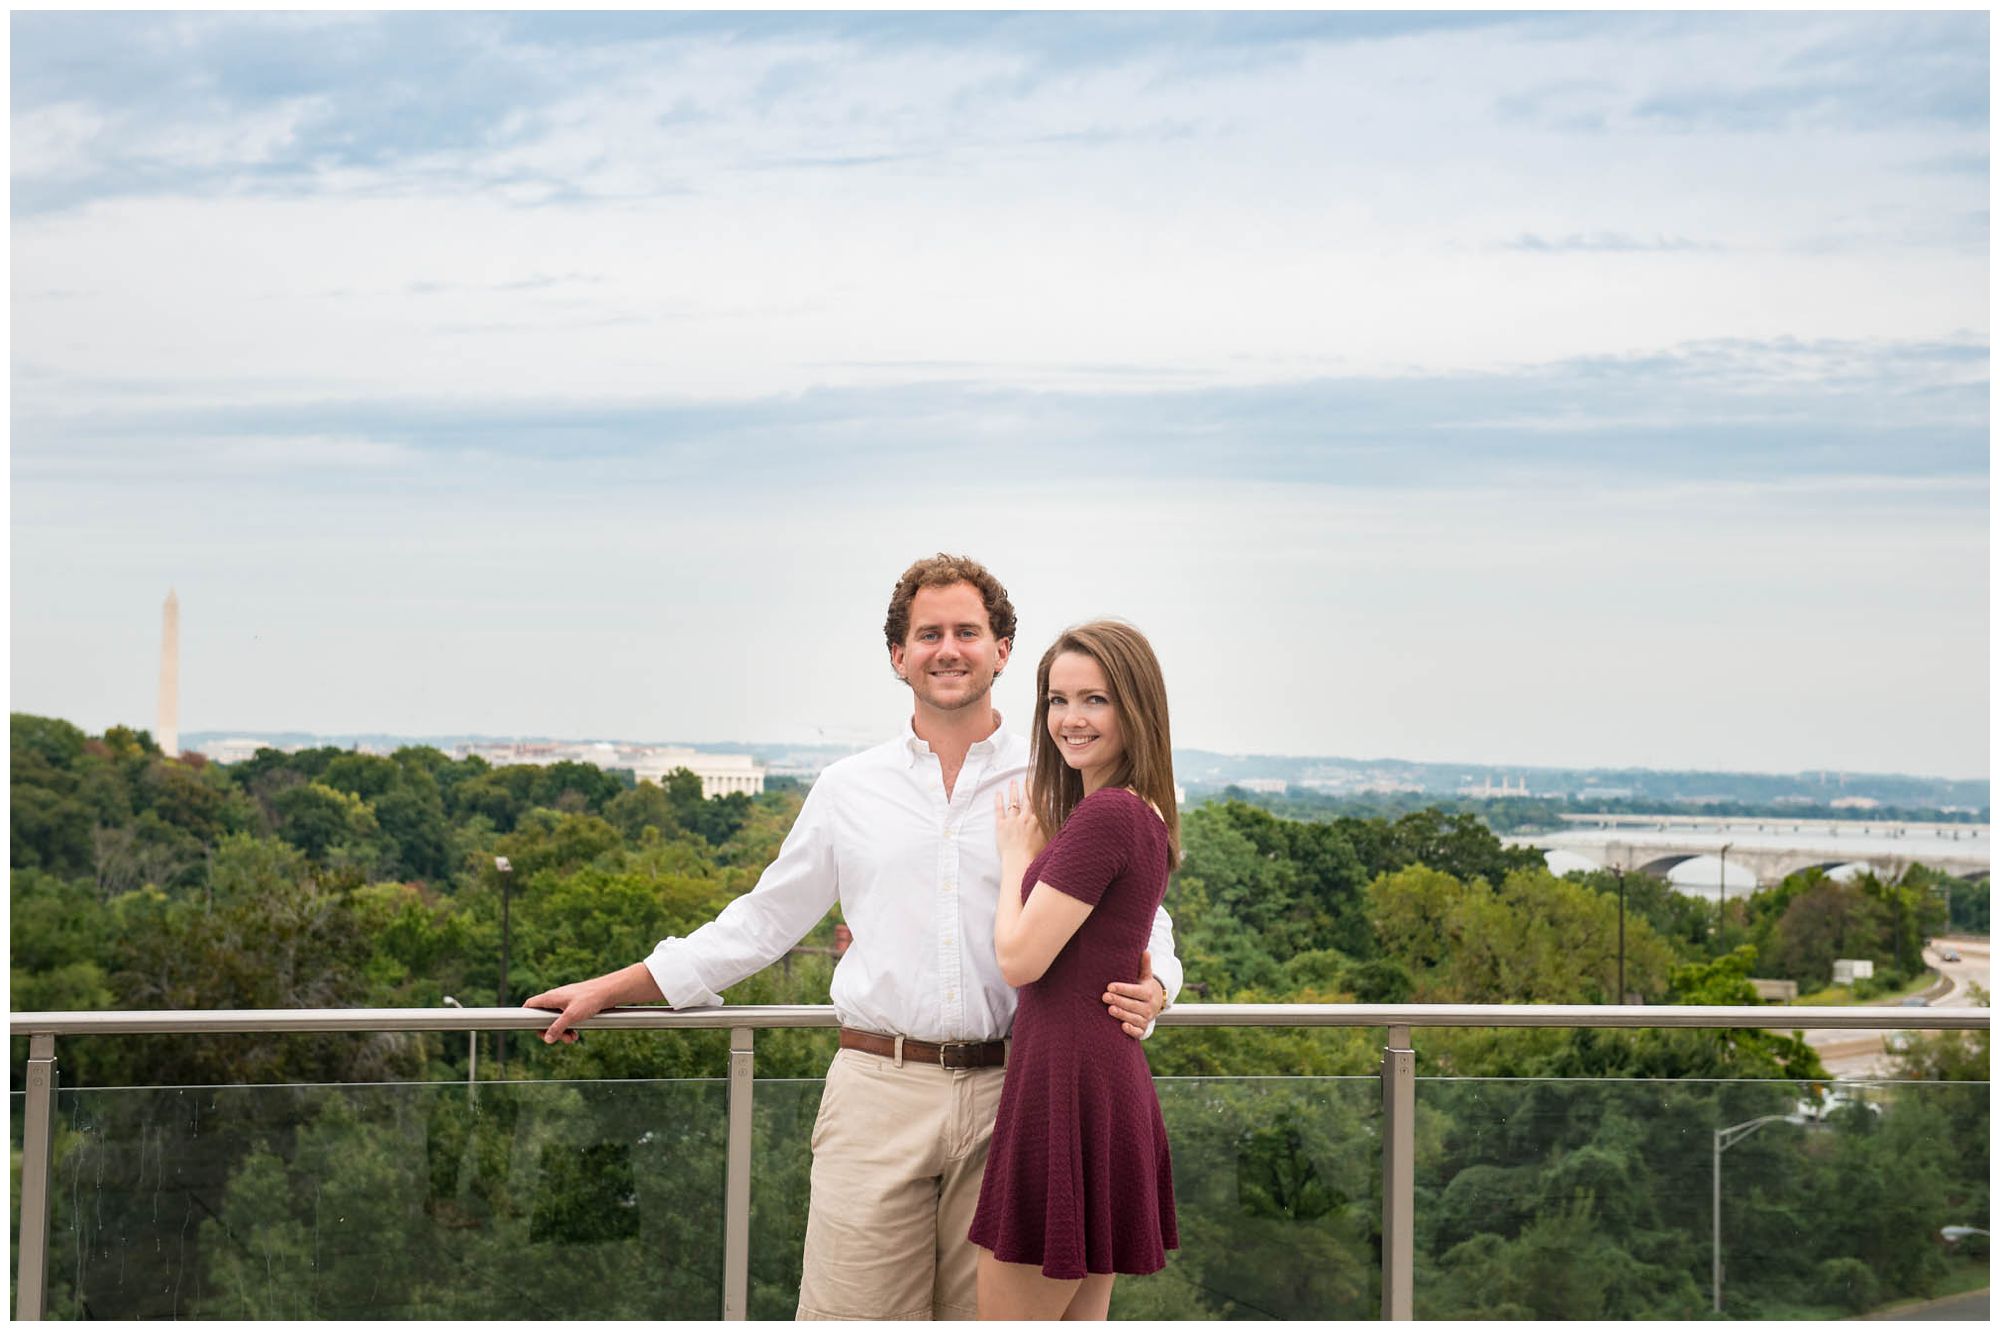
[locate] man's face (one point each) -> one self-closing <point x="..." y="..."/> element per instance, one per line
<point x="951" y="656"/>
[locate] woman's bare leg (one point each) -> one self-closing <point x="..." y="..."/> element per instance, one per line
<point x="1017" y="1292"/>
<point x="1092" y="1300"/>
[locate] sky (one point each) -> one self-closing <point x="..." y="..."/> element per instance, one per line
<point x="1562" y="389"/>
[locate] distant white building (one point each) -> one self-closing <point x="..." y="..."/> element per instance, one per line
<point x="1261" y="785"/>
<point x="234" y="750"/>
<point x="720" y="773"/>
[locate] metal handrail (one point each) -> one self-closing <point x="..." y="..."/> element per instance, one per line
<point x="1397" y="1073"/>
<point x="279" y="1021"/>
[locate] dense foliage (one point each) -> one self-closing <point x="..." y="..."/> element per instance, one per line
<point x="327" y="878"/>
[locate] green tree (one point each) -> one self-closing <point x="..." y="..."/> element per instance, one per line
<point x="1683" y="921"/>
<point x="319" y="820"/>
<point x="1537" y="938"/>
<point x="646" y="805"/>
<point x="1457" y="844"/>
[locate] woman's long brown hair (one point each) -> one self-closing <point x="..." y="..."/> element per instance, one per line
<point x="1139" y="692"/>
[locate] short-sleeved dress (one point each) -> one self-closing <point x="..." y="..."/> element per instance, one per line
<point x="1078" y="1179"/>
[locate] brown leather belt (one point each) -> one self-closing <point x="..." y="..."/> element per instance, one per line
<point x="960" y="1054"/>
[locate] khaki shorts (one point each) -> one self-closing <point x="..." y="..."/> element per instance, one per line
<point x="897" y="1157"/>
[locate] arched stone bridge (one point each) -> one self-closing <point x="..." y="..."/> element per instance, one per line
<point x="1768" y="848"/>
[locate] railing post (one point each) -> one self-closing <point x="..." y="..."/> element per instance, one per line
<point x="1399" y="1136"/>
<point x="736" y="1178"/>
<point x="38" y="1149"/>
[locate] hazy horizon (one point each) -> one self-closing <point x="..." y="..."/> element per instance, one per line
<point x="775" y="742"/>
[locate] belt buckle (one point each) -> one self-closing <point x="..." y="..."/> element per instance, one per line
<point x="957" y="1054"/>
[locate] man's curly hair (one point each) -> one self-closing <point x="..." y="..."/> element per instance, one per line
<point x="943" y="571"/>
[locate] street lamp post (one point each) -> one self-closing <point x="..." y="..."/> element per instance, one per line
<point x="1622" y="991"/>
<point x="1612" y="855"/>
<point x="506" y="872"/>
<point x="1721" y="891"/>
<point x="471" y="1057"/>
<point x="1724" y="1139"/>
<point x="1897" y="888"/>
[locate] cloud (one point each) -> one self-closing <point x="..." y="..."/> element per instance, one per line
<point x="1763" y="73"/>
<point x="533" y="282"/>
<point x="1606" y="242"/>
<point x="1741" y="410"/>
<point x="1971" y="163"/>
<point x="578" y="107"/>
<point x="290" y="460"/>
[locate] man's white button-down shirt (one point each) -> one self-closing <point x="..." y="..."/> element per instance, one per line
<point x="917" y="877"/>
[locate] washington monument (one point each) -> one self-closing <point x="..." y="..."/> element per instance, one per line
<point x="168" y="732"/>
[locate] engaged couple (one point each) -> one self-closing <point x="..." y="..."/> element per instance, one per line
<point x="989" y="1142"/>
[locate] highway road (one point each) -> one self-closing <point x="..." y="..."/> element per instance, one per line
<point x="1861" y="1053"/>
<point x="1970" y="1307"/>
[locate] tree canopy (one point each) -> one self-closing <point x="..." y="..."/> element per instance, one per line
<point x="1555" y="1175"/>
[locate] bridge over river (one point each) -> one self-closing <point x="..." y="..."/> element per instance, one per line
<point x="1751" y="852"/>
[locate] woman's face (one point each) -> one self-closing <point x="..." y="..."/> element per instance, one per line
<point x="1083" y="720"/>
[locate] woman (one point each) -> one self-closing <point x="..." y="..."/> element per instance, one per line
<point x="1078" y="1184"/>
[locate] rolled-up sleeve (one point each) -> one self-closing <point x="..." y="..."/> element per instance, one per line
<point x="757" y="928"/>
<point x="1166" y="966"/>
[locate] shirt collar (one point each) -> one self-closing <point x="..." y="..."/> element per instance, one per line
<point x="915" y="746"/>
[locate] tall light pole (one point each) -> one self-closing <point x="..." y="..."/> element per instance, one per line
<point x="1724" y="1139"/>
<point x="1721" y="891"/>
<point x="1621" y="937"/>
<point x="471" y="1056"/>
<point x="1611" y="853"/>
<point x="506" y="872"/>
<point x="1897" y="889"/>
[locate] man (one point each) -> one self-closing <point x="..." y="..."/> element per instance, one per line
<point x="902" y="837"/>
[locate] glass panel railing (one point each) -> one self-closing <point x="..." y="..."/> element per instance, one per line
<point x="17" y="1102"/>
<point x="1278" y="1185"/>
<point x="543" y="1200"/>
<point x="579" y="1200"/>
<point x="783" y="1110"/>
<point x="1567" y="1199"/>
<point x="1278" y="1182"/>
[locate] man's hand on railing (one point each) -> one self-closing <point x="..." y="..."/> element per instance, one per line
<point x="574" y="1003"/>
<point x="579" y="1002"/>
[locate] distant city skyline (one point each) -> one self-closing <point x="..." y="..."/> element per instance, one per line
<point x="1308" y="771"/>
<point x="1556" y="390"/>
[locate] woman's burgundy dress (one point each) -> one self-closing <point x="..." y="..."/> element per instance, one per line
<point x="1078" y="1180"/>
